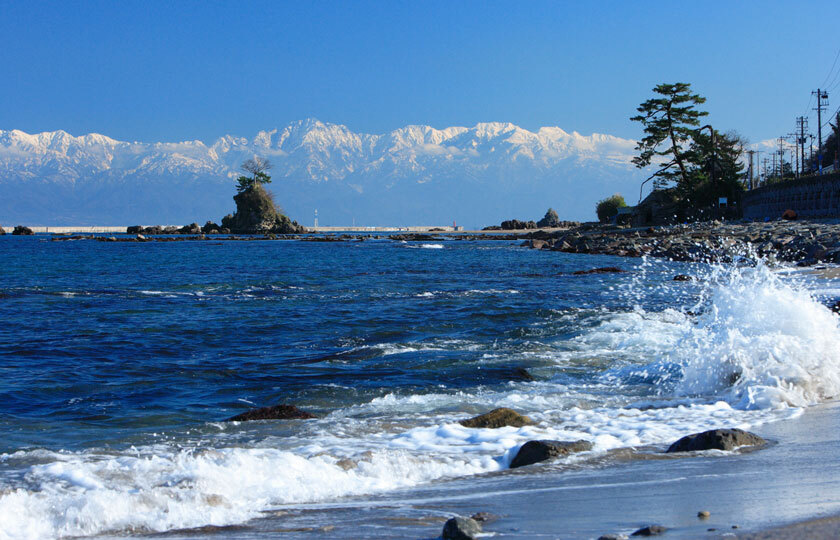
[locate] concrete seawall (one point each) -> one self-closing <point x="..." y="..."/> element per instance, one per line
<point x="813" y="196"/>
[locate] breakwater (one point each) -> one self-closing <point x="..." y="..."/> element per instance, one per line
<point x="813" y="196"/>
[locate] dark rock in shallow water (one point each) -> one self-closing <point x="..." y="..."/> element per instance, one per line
<point x="716" y="439"/>
<point x="2" y="231"/>
<point x="20" y="230"/>
<point x="536" y="451"/>
<point x="484" y="517"/>
<point x="789" y="215"/>
<point x="461" y="528"/>
<point x="521" y="374"/>
<point x="650" y="530"/>
<point x="682" y="277"/>
<point x="605" y="270"/>
<point x="497" y="418"/>
<point x="134" y="229"/>
<point x="277" y="412"/>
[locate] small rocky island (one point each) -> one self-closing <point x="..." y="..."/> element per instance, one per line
<point x="256" y="212"/>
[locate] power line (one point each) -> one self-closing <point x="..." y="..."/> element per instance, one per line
<point x="832" y="69"/>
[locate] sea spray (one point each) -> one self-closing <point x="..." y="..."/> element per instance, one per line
<point x="761" y="342"/>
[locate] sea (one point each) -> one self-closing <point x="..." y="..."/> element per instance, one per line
<point x="121" y="361"/>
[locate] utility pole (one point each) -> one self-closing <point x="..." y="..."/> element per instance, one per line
<point x="751" y="153"/>
<point x="794" y="155"/>
<point x="781" y="157"/>
<point x="764" y="172"/>
<point x="802" y="124"/>
<point x="822" y="104"/>
<point x="836" y="127"/>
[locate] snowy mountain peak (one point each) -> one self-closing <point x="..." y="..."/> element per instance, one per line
<point x="394" y="174"/>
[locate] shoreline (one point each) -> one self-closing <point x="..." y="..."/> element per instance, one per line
<point x="805" y="242"/>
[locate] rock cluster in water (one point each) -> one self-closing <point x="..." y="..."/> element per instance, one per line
<point x="794" y="241"/>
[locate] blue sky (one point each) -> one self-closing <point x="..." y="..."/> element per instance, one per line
<point x="182" y="70"/>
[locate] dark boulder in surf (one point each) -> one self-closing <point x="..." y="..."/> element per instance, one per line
<point x="716" y="439"/>
<point x="276" y="412"/>
<point x="461" y="528"/>
<point x="650" y="530"/>
<point x="2" y="231"/>
<point x="536" y="451"/>
<point x="497" y="418"/>
<point x="20" y="230"/>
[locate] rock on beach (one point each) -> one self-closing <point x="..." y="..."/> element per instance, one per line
<point x="461" y="528"/>
<point x="716" y="439"/>
<point x="536" y="451"/>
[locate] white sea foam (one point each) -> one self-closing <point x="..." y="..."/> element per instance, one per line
<point x="431" y="246"/>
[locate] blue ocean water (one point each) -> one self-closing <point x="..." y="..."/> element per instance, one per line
<point x="120" y="360"/>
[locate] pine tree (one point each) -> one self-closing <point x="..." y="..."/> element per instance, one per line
<point x="670" y="123"/>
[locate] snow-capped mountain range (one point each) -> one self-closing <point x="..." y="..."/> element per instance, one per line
<point x="415" y="175"/>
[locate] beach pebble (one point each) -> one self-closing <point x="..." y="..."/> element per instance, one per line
<point x="704" y="514"/>
<point x="461" y="528"/>
<point x="650" y="530"/>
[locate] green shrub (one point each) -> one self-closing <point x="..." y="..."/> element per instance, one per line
<point x="608" y="208"/>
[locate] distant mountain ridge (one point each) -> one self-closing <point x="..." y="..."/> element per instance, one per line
<point x="413" y="175"/>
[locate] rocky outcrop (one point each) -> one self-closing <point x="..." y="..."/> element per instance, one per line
<point x="257" y="214"/>
<point x="276" y="412"/>
<point x="461" y="528"/>
<point x="716" y="439"/>
<point x="515" y="224"/>
<point x="192" y="228"/>
<point x="20" y="230"/>
<point x="536" y="451"/>
<point x="551" y="219"/>
<point x="210" y="228"/>
<point x="501" y="417"/>
<point x="2" y="231"/>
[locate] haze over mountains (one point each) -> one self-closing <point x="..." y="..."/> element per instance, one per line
<point x="416" y="175"/>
